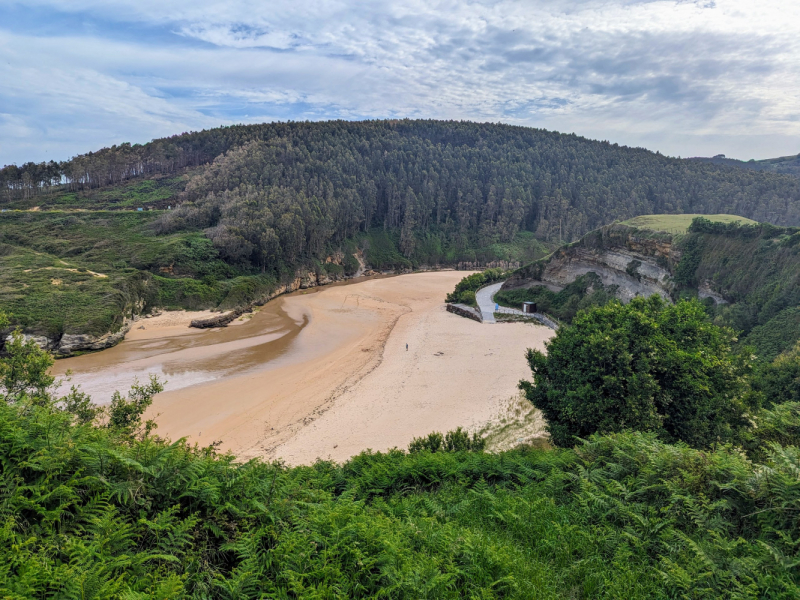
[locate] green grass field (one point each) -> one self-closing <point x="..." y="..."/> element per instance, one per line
<point x="680" y="223"/>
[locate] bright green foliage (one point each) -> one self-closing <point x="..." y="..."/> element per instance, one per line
<point x="467" y="297"/>
<point x="124" y="414"/>
<point x="457" y="440"/>
<point x="647" y="366"/>
<point x="778" y="381"/>
<point x="472" y="283"/>
<point x="89" y="510"/>
<point x="25" y="371"/>
<point x="87" y="514"/>
<point x="775" y="336"/>
<point x="777" y="425"/>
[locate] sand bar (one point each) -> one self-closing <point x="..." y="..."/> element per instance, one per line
<point x="326" y="373"/>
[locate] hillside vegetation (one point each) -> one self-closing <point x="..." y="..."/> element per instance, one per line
<point x="487" y="179"/>
<point x="279" y="201"/>
<point x="94" y="505"/>
<point x="757" y="270"/>
<point x="787" y="165"/>
<point x="747" y="274"/>
<point x="83" y="272"/>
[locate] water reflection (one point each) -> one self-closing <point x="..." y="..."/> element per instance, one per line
<point x="187" y="358"/>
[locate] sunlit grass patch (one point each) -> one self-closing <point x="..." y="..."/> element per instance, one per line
<point x="680" y="223"/>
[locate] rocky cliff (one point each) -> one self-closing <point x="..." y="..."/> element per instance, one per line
<point x="636" y="262"/>
<point x="748" y="276"/>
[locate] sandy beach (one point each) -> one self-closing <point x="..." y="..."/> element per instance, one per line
<point x="456" y="372"/>
<point x="325" y="373"/>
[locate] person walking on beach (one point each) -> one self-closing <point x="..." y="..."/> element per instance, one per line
<point x="406" y="347"/>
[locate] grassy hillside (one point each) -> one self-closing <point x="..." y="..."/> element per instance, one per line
<point x="757" y="269"/>
<point x="64" y="271"/>
<point x="83" y="272"/>
<point x="680" y="223"/>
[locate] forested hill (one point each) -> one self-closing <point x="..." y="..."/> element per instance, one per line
<point x="787" y="165"/>
<point x="230" y="215"/>
<point x="299" y="185"/>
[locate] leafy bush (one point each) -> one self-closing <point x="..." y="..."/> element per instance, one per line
<point x="467" y="297"/>
<point x="777" y="335"/>
<point x="457" y="440"/>
<point x="98" y="507"/>
<point x="647" y="366"/>
<point x="779" y="381"/>
<point x="472" y="283"/>
<point x="779" y="425"/>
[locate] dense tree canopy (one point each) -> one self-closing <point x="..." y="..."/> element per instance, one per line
<point x="647" y="366"/>
<point x="276" y="191"/>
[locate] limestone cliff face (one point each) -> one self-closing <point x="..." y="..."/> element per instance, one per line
<point x="77" y="342"/>
<point x="639" y="263"/>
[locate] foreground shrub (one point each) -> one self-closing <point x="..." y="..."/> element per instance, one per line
<point x="646" y="366"/>
<point x="457" y="440"/>
<point x="93" y="505"/>
<point x="472" y="283"/>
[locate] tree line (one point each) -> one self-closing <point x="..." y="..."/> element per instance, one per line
<point x="272" y="192"/>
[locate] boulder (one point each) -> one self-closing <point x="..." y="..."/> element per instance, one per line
<point x="81" y="342"/>
<point x="44" y="342"/>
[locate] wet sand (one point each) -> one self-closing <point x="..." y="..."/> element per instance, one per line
<point x="325" y="373"/>
<point x="165" y="346"/>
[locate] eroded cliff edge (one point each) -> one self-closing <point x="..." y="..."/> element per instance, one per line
<point x="748" y="276"/>
<point x="635" y="262"/>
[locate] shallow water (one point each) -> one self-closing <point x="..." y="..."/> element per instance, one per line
<point x="191" y="356"/>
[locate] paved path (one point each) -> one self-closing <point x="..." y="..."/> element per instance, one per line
<point x="485" y="299"/>
<point x="541" y="317"/>
<point x="486" y="303"/>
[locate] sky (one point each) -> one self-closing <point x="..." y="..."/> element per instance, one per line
<point x="684" y="77"/>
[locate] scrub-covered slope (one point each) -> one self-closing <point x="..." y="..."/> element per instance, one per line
<point x="94" y="505"/>
<point x="748" y="275"/>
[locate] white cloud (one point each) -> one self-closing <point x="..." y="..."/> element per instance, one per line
<point x="684" y="77"/>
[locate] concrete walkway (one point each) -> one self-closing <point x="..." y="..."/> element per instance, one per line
<point x="484" y="297"/>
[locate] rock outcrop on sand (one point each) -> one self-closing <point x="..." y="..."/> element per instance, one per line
<point x="70" y="343"/>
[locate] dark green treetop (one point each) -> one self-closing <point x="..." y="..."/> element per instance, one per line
<point x="645" y="366"/>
